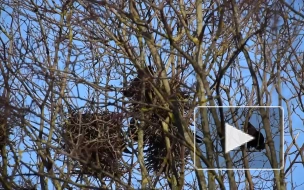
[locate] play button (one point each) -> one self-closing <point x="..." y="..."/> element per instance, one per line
<point x="231" y="142"/>
<point x="235" y="138"/>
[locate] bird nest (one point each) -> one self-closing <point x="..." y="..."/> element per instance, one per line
<point x="156" y="151"/>
<point x="96" y="138"/>
<point x="5" y="129"/>
<point x="154" y="136"/>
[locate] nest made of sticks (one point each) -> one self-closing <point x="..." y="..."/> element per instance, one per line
<point x="156" y="151"/>
<point x="154" y="136"/>
<point x="96" y="138"/>
<point x="5" y="128"/>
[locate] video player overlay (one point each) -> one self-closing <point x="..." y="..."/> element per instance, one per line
<point x="245" y="139"/>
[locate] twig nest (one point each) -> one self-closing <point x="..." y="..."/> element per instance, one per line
<point x="154" y="137"/>
<point x="96" y="138"/>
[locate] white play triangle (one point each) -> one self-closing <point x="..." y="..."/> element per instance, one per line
<point x="235" y="138"/>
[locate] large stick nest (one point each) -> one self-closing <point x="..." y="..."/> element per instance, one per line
<point x="5" y="127"/>
<point x="3" y="131"/>
<point x="96" y="138"/>
<point x="154" y="136"/>
<point x="156" y="151"/>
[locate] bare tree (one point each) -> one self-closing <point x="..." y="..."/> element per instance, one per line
<point x="103" y="94"/>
